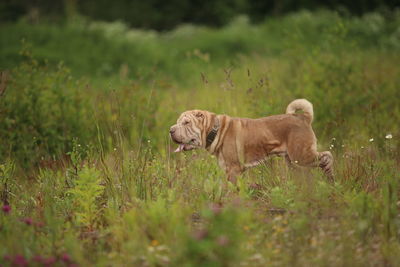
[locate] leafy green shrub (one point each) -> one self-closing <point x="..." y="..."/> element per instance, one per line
<point x="42" y="110"/>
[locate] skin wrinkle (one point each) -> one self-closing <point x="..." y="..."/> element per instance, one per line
<point x="241" y="143"/>
<point x="225" y="125"/>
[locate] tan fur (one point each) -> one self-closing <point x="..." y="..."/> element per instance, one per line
<point x="242" y="143"/>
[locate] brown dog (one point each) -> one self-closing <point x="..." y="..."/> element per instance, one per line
<point x="241" y="143"/>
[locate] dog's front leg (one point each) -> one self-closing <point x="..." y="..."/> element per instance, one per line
<point x="231" y="177"/>
<point x="231" y="170"/>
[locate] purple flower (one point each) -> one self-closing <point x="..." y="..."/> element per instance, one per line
<point x="39" y="224"/>
<point x="222" y="240"/>
<point x="19" y="260"/>
<point x="200" y="234"/>
<point x="216" y="208"/>
<point x="6" y="208"/>
<point x="27" y="221"/>
<point x="49" y="261"/>
<point x="65" y="258"/>
<point x="38" y="259"/>
<point x="7" y="257"/>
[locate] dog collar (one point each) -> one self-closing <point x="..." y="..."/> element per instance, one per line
<point x="213" y="133"/>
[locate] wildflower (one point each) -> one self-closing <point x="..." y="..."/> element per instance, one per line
<point x="216" y="208"/>
<point x="65" y="258"/>
<point x="115" y="149"/>
<point x="7" y="258"/>
<point x="362" y="147"/>
<point x="222" y="240"/>
<point x="6" y="209"/>
<point x="389" y="136"/>
<point x="39" y="224"/>
<point x="27" y="221"/>
<point x="19" y="260"/>
<point x="38" y="258"/>
<point x="49" y="261"/>
<point x="276" y="251"/>
<point x="155" y="243"/>
<point x="371" y="140"/>
<point x="200" y="234"/>
<point x="313" y="242"/>
<point x="256" y="257"/>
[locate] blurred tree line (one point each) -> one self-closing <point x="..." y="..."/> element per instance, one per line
<point x="166" y="14"/>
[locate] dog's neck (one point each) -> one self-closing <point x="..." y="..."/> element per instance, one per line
<point x="213" y="133"/>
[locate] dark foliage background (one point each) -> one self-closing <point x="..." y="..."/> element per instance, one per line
<point x="166" y="14"/>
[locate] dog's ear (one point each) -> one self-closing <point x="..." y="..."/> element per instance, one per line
<point x="199" y="115"/>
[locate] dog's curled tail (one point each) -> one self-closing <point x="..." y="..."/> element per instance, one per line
<point x="303" y="105"/>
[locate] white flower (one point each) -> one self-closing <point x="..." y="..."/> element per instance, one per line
<point x="362" y="147"/>
<point x="389" y="136"/>
<point x="371" y="140"/>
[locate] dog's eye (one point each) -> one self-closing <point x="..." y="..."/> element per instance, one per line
<point x="186" y="122"/>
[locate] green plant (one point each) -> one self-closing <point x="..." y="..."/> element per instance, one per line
<point x="86" y="195"/>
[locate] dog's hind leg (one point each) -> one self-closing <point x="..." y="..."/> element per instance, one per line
<point x="309" y="157"/>
<point x="325" y="162"/>
<point x="289" y="162"/>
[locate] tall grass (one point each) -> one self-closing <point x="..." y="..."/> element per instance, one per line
<point x="87" y="175"/>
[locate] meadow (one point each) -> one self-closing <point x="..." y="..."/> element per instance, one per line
<point x="88" y="176"/>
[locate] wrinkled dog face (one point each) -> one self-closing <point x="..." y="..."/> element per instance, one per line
<point x="187" y="132"/>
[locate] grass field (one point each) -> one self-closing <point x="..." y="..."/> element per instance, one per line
<point x="87" y="173"/>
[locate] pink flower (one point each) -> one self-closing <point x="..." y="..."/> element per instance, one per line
<point x="7" y="257"/>
<point x="216" y="208"/>
<point x="27" y="221"/>
<point x="222" y="240"/>
<point x="39" y="224"/>
<point x="19" y="260"/>
<point x="200" y="234"/>
<point x="49" y="261"/>
<point x="6" y="208"/>
<point x="38" y="259"/>
<point x="65" y="258"/>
